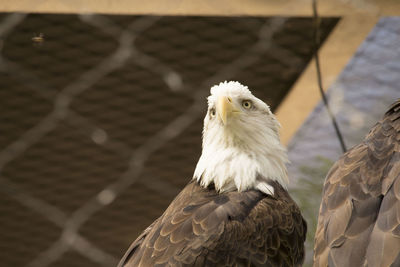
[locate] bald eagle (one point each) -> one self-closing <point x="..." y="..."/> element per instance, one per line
<point x="359" y="217"/>
<point x="236" y="210"/>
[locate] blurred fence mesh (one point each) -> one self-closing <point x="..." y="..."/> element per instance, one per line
<point x="101" y="119"/>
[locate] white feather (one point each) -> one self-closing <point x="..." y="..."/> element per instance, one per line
<point x="244" y="153"/>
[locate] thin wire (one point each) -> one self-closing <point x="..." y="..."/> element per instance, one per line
<point x="319" y="76"/>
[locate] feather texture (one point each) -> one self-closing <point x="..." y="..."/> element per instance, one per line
<point x="236" y="151"/>
<point x="202" y="227"/>
<point x="359" y="217"/>
<point x="230" y="215"/>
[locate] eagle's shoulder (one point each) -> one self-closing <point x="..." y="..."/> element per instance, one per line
<point x="202" y="227"/>
<point x="361" y="199"/>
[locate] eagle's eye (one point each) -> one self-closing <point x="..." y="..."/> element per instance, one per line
<point x="212" y="112"/>
<point x="247" y="104"/>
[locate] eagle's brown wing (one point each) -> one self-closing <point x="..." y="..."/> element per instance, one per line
<point x="204" y="228"/>
<point x="359" y="217"/>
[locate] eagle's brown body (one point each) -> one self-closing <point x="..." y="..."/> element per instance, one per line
<point x="359" y="219"/>
<point x="202" y="227"/>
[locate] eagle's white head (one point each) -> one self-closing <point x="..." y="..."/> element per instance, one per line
<point x="241" y="146"/>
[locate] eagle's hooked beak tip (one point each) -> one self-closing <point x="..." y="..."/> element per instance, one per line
<point x="224" y="108"/>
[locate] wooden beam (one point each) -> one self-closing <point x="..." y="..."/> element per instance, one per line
<point x="334" y="55"/>
<point x="205" y="7"/>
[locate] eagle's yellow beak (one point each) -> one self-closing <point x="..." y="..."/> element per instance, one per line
<point x="225" y="108"/>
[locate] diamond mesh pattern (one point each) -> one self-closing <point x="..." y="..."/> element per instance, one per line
<point x="101" y="123"/>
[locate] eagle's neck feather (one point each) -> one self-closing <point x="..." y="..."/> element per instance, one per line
<point x="230" y="165"/>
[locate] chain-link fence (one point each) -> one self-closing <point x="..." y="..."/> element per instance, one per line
<point x="101" y="119"/>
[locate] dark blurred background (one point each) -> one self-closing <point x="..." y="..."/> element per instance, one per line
<point x="90" y="148"/>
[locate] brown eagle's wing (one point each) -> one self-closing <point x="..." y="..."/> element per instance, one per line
<point x="204" y="228"/>
<point x="359" y="217"/>
<point x="132" y="248"/>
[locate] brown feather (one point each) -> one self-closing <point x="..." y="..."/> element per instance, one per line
<point x="202" y="227"/>
<point x="359" y="218"/>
